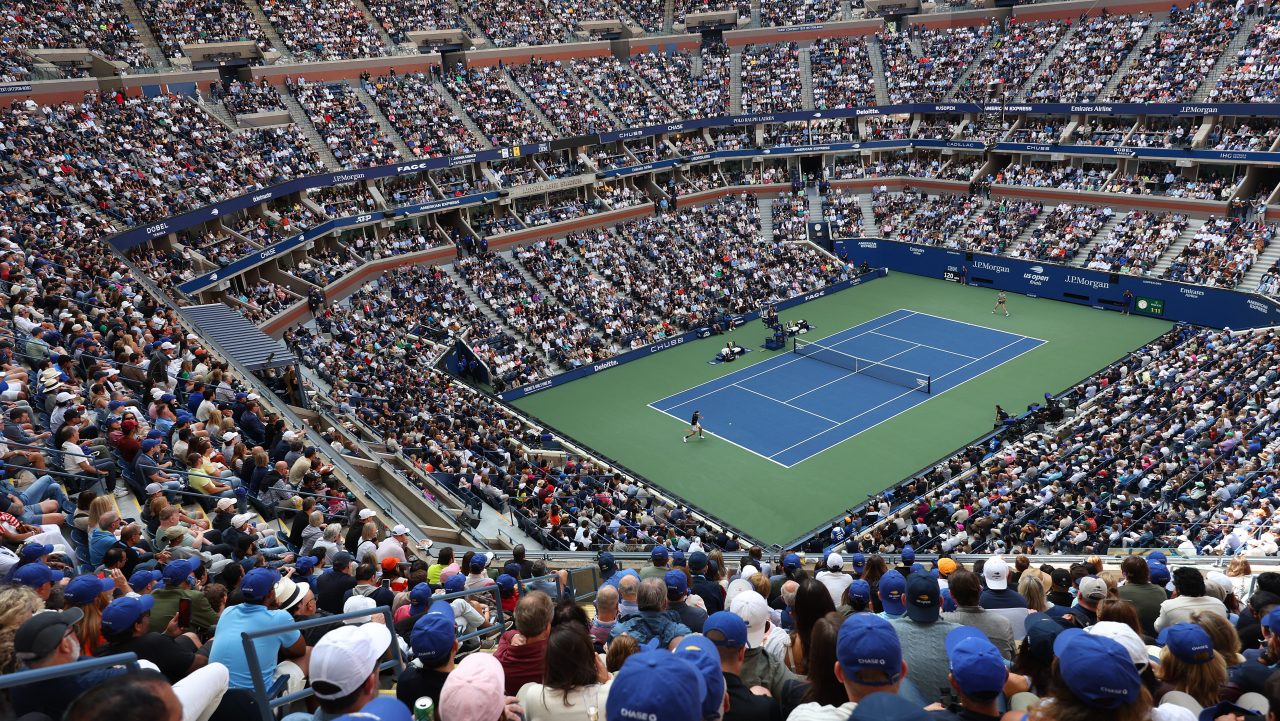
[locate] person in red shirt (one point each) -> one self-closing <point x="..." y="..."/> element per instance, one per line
<point x="522" y="650"/>
<point x="510" y="595"/>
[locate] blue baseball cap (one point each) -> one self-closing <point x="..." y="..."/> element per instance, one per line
<point x="1272" y="620"/>
<point x="698" y="561"/>
<point x="478" y="562"/>
<point x="434" y="633"/>
<point x="1097" y="669"/>
<point x="36" y="575"/>
<point x="703" y="655"/>
<point x="84" y="589"/>
<point x="867" y="642"/>
<point x="168" y="398"/>
<point x="155" y="434"/>
<point x="113" y="405"/>
<point x="1159" y="573"/>
<point x="258" y="584"/>
<point x="1188" y="642"/>
<point x="725" y="629"/>
<point x="149" y="444"/>
<point x="791" y="560"/>
<point x="120" y="615"/>
<point x="859" y="562"/>
<point x="677" y="558"/>
<point x="659" y="553"/>
<point x="34" y="551"/>
<point x="892" y="589"/>
<point x="1158" y="557"/>
<point x="860" y="589"/>
<point x="419" y="595"/>
<point x="306" y="563"/>
<point x="456" y="582"/>
<point x="908" y="554"/>
<point x="656" y="686"/>
<point x="976" y="664"/>
<point x="142" y="579"/>
<point x="1042" y="630"/>
<point x="506" y="582"/>
<point x="607" y="565"/>
<point x="923" y="598"/>
<point x="677" y="584"/>
<point x="177" y="573"/>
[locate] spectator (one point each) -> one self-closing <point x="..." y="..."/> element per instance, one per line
<point x="834" y="577"/>
<point x="606" y="615"/>
<point x="677" y="595"/>
<point x="965" y="591"/>
<point x="1188" y="597"/>
<point x="344" y="669"/>
<point x="575" y="679"/>
<point x="45" y="641"/>
<point x="335" y="584"/>
<point x="474" y="690"/>
<point x="522" y="650"/>
<point x="434" y="643"/>
<point x="179" y="584"/>
<point x="869" y="659"/>
<point x="978" y="675"/>
<point x="922" y="632"/>
<point x="259" y="610"/>
<point x="652" y="619"/>
<point x="1145" y="596"/>
<point x="1189" y="663"/>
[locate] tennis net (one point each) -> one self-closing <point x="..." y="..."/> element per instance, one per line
<point x="890" y="374"/>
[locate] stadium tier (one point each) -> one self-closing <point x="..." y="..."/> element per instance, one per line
<point x="835" y="359"/>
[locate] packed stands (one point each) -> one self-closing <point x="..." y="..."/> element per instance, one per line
<point x="344" y="123"/>
<point x="842" y="76"/>
<point x="1171" y="68"/>
<point x="100" y="25"/>
<point x="562" y="98"/>
<point x="501" y="115"/>
<point x="511" y="23"/>
<point x="1011" y="60"/>
<point x="623" y="92"/>
<point x="798" y="12"/>
<point x="1137" y="242"/>
<point x="1252" y="79"/>
<point x="245" y="98"/>
<point x="1221" y="252"/>
<point x="399" y="18"/>
<point x="196" y="22"/>
<point x="324" y="31"/>
<point x="1061" y="234"/>
<point x="1088" y="59"/>
<point x="935" y="74"/>
<point x="421" y="116"/>
<point x="770" y="78"/>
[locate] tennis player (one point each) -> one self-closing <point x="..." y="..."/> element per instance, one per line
<point x="1000" y="305"/>
<point x="695" y="426"/>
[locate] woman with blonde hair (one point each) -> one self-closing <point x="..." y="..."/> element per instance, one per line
<point x="17" y="604"/>
<point x="1241" y="576"/>
<point x="91" y="595"/>
<point x="1190" y="664"/>
<point x="97" y="507"/>
<point x="1032" y="589"/>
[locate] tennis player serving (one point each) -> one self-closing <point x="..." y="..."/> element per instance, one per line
<point x="695" y="426"/>
<point x="1000" y="305"/>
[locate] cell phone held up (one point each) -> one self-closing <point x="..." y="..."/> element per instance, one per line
<point x="184" y="612"/>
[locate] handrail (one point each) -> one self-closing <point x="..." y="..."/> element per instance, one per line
<point x="76" y="668"/>
<point x="267" y="705"/>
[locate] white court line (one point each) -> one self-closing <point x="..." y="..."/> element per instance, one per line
<point x="922" y="345"/>
<point x="904" y="395"/>
<point x="726" y="440"/>
<point x="904" y="410"/>
<point x="774" y="368"/>
<point x="854" y="373"/>
<point x="775" y="400"/>
<point x="984" y="327"/>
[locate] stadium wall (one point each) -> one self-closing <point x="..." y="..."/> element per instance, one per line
<point x="1196" y="304"/>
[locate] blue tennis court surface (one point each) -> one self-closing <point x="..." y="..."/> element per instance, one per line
<point x="792" y="407"/>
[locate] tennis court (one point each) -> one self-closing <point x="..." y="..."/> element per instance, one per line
<point x="823" y="392"/>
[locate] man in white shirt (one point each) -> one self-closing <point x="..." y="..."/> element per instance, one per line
<point x="834" y="577"/>
<point x="393" y="545"/>
<point x="1188" y="597"/>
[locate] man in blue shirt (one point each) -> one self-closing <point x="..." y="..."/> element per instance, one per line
<point x="260" y="610"/>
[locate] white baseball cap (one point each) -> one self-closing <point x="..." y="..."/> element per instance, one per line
<point x="1126" y="637"/>
<point x="64" y="397"/>
<point x="346" y="656"/>
<point x="167" y="346"/>
<point x="399" y="531"/>
<point x="996" y="573"/>
<point x="366" y="513"/>
<point x="358" y="603"/>
<point x="835" y="561"/>
<point x="751" y="607"/>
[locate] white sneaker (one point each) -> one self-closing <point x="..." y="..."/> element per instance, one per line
<point x="121" y="492"/>
<point x="686" y="439"/>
